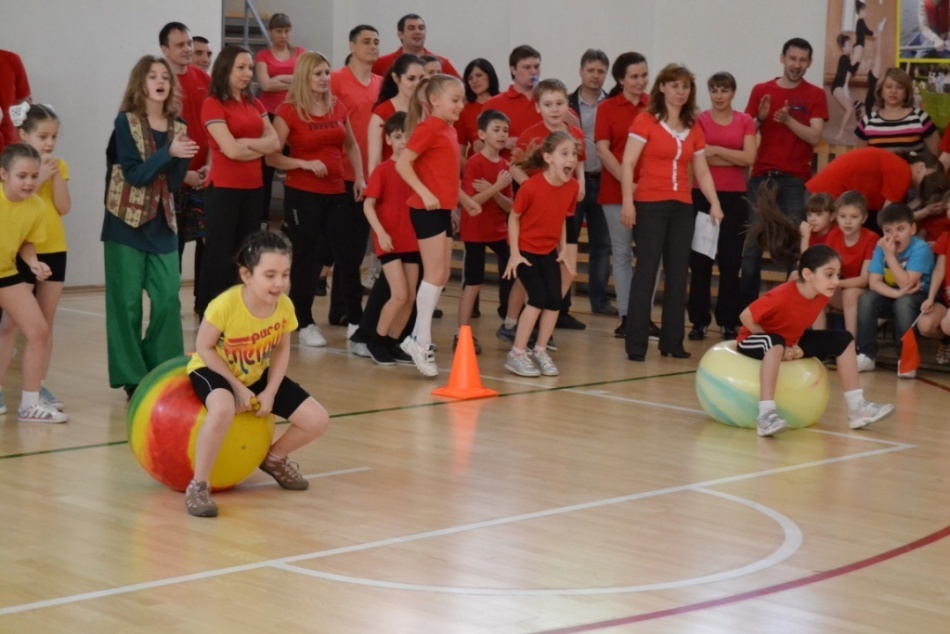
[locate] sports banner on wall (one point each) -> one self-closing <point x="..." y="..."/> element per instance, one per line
<point x="925" y="54"/>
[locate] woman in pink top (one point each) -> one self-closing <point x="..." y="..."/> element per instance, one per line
<point x="274" y="70"/>
<point x="665" y="142"/>
<point x="730" y="149"/>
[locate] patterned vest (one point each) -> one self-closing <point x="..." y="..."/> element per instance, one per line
<point x="137" y="205"/>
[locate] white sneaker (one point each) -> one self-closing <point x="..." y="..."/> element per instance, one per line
<point x="770" y="423"/>
<point x="867" y="413"/>
<point x="41" y="413"/>
<point x="866" y="363"/>
<point x="544" y="362"/>
<point x="423" y="358"/>
<point x="358" y="348"/>
<point x="907" y="375"/>
<point x="521" y="364"/>
<point x="312" y="337"/>
<point x="47" y="397"/>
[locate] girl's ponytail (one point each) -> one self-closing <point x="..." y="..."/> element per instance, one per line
<point x="416" y="113"/>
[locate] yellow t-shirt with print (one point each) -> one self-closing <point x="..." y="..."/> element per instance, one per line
<point x="19" y="222"/>
<point x="246" y="342"/>
<point x="55" y="231"/>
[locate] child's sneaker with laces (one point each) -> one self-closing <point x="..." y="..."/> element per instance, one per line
<point x="943" y="354"/>
<point x="544" y="362"/>
<point x="423" y="358"/>
<point x="866" y="363"/>
<point x="770" y="423"/>
<point x="285" y="472"/>
<point x="867" y="413"/>
<point x="198" y="500"/>
<point x="47" y="397"/>
<point x="521" y="364"/>
<point x="41" y="413"/>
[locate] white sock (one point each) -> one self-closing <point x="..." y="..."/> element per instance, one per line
<point x="854" y="398"/>
<point x="29" y="399"/>
<point x="510" y="323"/>
<point x="426" y="299"/>
<point x="766" y="406"/>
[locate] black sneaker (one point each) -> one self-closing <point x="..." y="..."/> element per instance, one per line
<point x="698" y="333"/>
<point x="654" y="332"/>
<point x="437" y="313"/>
<point x="379" y="352"/>
<point x="620" y="332"/>
<point x="730" y="333"/>
<point x="568" y="321"/>
<point x="506" y="334"/>
<point x="400" y="357"/>
<point x="455" y="344"/>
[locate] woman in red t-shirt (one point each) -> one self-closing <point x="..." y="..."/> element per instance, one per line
<point x="318" y="131"/>
<point x="615" y="115"/>
<point x="664" y="143"/>
<point x="394" y="96"/>
<point x="239" y="135"/>
<point x="481" y="84"/>
<point x="274" y="69"/>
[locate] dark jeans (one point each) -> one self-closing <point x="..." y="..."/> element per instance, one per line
<point x="664" y="230"/>
<point x="306" y="219"/>
<point x="348" y="232"/>
<point x="791" y="200"/>
<point x="872" y="306"/>
<point x="729" y="256"/>
<point x="598" y="243"/>
<point x="230" y="216"/>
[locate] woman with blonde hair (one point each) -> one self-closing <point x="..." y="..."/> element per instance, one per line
<point x="317" y="128"/>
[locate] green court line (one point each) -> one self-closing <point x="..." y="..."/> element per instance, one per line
<point x="383" y="410"/>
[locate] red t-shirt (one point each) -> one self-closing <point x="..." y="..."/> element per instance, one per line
<point x="536" y="134"/>
<point x="194" y="84"/>
<point x="383" y="111"/>
<point x="245" y="121"/>
<point x="614" y="118"/>
<point x="467" y="125"/>
<point x="785" y="311"/>
<point x="14" y="89"/>
<point x="385" y="62"/>
<point x="391" y="192"/>
<point x="518" y="108"/>
<point x="664" y="160"/>
<point x="438" y="163"/>
<point x="853" y="257"/>
<point x="942" y="247"/>
<point x="492" y="224"/>
<point x="543" y="208"/>
<point x="359" y="101"/>
<point x="779" y="148"/>
<point x="815" y="239"/>
<point x="275" y="67"/>
<point x="321" y="139"/>
<point x="878" y="174"/>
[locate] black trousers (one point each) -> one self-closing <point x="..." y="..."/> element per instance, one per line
<point x="735" y="212"/>
<point x="348" y="232"/>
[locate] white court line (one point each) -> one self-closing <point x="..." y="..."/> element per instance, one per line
<point x="612" y="397"/>
<point x="314" y="476"/>
<point x="435" y="533"/>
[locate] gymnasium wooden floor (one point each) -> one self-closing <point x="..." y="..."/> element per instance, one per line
<point x="600" y="500"/>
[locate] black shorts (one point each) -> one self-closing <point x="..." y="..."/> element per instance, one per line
<point x="821" y="344"/>
<point x="542" y="280"/>
<point x="55" y="261"/>
<point x="11" y="280"/>
<point x="573" y="230"/>
<point x="412" y="257"/>
<point x="429" y="224"/>
<point x="289" y="395"/>
<point x="473" y="271"/>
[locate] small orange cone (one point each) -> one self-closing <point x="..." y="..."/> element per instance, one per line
<point x="465" y="380"/>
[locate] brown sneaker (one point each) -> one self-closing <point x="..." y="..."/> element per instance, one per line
<point x="198" y="500"/>
<point x="286" y="474"/>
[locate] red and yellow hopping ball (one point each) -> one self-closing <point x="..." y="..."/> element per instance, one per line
<point x="727" y="385"/>
<point x="164" y="419"/>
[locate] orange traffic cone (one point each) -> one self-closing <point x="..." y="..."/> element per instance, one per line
<point x="465" y="381"/>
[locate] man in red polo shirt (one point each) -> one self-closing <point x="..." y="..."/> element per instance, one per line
<point x="791" y="115"/>
<point x="411" y="30"/>
<point x="517" y="103"/>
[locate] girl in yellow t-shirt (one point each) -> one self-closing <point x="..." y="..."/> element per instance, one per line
<point x="22" y="220"/>
<point x="240" y="364"/>
<point x="38" y="126"/>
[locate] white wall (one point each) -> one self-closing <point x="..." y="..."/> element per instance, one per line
<point x="81" y="62"/>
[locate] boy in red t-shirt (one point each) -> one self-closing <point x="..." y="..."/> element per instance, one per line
<point x="487" y="180"/>
<point x="395" y="242"/>
<point x="935" y="317"/>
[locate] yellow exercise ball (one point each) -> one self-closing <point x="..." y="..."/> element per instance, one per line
<point x="727" y="385"/>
